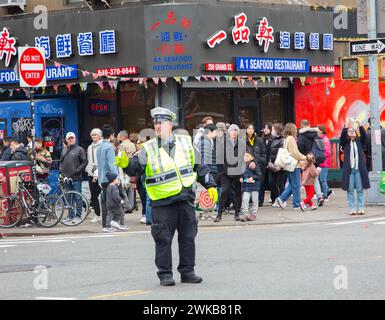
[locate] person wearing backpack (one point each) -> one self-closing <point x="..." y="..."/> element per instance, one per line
<point x="309" y="141"/>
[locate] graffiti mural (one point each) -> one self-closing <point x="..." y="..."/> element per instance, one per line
<point x="330" y="103"/>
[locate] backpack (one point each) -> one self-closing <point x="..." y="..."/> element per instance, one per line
<point x="318" y="149"/>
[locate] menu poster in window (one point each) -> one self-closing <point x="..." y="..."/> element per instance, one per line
<point x="52" y="134"/>
<point x="21" y="128"/>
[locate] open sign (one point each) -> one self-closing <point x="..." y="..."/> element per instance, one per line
<point x="99" y="107"/>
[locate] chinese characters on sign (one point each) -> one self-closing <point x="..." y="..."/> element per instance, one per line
<point x="171" y="52"/>
<point x="240" y="32"/>
<point x="84" y="41"/>
<point x="265" y="36"/>
<point x="7" y="46"/>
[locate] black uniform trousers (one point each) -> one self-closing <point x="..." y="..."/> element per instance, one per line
<point x="178" y="216"/>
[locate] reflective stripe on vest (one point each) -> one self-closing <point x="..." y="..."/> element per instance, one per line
<point x="165" y="176"/>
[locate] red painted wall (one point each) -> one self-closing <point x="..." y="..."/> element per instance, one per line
<point x="319" y="101"/>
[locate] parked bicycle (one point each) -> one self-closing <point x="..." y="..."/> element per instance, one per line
<point x="76" y="206"/>
<point x="32" y="201"/>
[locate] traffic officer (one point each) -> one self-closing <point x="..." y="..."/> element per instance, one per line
<point x="168" y="161"/>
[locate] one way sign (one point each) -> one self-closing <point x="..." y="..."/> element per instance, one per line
<point x="365" y="47"/>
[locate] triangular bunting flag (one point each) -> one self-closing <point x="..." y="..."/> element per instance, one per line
<point x="57" y="64"/>
<point x="198" y="78"/>
<point x="94" y="76"/>
<point x="263" y="78"/>
<point x="56" y="87"/>
<point x="156" y="80"/>
<point x="302" y="79"/>
<point x="204" y="77"/>
<point x="164" y="80"/>
<point x="100" y="84"/>
<point x="185" y="79"/>
<point x="230" y="78"/>
<point x="255" y="82"/>
<point x="291" y="79"/>
<point x="275" y="80"/>
<point x="250" y="78"/>
<point x="218" y="78"/>
<point x="333" y="84"/>
<point x="243" y="82"/>
<point x="238" y="79"/>
<point x="69" y="86"/>
<point x="177" y="79"/>
<point x="83" y="86"/>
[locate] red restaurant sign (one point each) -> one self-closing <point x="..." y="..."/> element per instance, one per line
<point x="223" y="67"/>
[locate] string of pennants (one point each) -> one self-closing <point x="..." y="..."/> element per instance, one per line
<point x="113" y="81"/>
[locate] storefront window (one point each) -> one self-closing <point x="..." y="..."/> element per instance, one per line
<point x="273" y="105"/>
<point x="136" y="104"/>
<point x="198" y="104"/>
<point x="99" y="109"/>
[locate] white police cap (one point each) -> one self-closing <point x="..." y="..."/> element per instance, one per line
<point x="160" y="113"/>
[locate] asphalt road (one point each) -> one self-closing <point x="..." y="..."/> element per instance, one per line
<point x="302" y="261"/>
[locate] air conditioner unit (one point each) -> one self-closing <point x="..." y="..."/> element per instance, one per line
<point x="13" y="3"/>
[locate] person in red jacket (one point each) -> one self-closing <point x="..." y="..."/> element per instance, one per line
<point x="326" y="165"/>
<point x="309" y="174"/>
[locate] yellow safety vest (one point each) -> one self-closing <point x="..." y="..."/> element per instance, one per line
<point x="165" y="176"/>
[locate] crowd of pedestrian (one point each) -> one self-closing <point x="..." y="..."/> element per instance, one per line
<point x="246" y="167"/>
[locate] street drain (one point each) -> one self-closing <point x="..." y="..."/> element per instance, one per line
<point x="22" y="268"/>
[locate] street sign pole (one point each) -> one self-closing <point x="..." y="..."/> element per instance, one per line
<point x="33" y="134"/>
<point x="373" y="195"/>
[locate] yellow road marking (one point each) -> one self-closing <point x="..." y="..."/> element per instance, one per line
<point x="119" y="294"/>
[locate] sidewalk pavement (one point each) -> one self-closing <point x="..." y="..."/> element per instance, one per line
<point x="333" y="210"/>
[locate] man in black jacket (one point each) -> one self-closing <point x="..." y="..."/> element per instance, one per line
<point x="231" y="156"/>
<point x="19" y="152"/>
<point x="73" y="161"/>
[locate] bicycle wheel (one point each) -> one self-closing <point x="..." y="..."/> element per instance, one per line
<point x="76" y="208"/>
<point x="11" y="212"/>
<point x="50" y="211"/>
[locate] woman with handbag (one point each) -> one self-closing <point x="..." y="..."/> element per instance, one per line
<point x="277" y="176"/>
<point x="293" y="168"/>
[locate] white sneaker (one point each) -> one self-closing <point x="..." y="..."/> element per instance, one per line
<point x="143" y="220"/>
<point x="115" y="224"/>
<point x="75" y="221"/>
<point x="96" y="219"/>
<point x="275" y="204"/>
<point x="124" y="227"/>
<point x="108" y="230"/>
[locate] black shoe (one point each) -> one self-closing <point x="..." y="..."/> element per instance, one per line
<point x="218" y="218"/>
<point x="321" y="202"/>
<point x="167" y="282"/>
<point x="191" y="278"/>
<point x="260" y="204"/>
<point x="236" y="217"/>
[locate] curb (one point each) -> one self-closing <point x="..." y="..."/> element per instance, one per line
<point x="211" y="225"/>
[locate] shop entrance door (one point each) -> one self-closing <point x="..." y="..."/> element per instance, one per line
<point x="248" y="111"/>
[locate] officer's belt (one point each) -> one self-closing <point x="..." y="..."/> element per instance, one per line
<point x="161" y="178"/>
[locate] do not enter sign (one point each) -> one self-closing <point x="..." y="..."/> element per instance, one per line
<point x="32" y="68"/>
